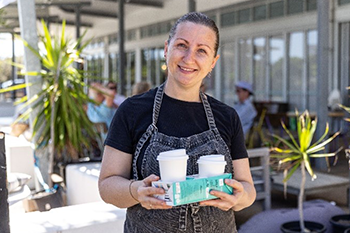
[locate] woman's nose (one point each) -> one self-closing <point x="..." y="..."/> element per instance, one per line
<point x="189" y="56"/>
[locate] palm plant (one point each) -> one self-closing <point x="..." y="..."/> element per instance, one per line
<point x="61" y="123"/>
<point x="296" y="153"/>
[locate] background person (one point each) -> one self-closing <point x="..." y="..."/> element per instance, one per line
<point x="141" y="87"/>
<point x="118" y="99"/>
<point x="172" y="116"/>
<point x="103" y="109"/>
<point x="245" y="107"/>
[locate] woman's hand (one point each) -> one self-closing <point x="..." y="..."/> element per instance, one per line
<point x="226" y="201"/>
<point x="145" y="194"/>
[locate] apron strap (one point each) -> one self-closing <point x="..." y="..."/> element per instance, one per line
<point x="208" y="111"/>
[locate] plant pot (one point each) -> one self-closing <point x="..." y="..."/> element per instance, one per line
<point x="294" y="227"/>
<point x="44" y="201"/>
<point x="340" y="223"/>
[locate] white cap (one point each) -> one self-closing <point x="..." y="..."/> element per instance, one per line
<point x="245" y="85"/>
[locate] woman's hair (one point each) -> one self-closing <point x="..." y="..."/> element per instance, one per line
<point x="197" y="18"/>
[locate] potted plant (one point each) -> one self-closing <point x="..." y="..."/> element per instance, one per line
<point x="296" y="154"/>
<point x="61" y="124"/>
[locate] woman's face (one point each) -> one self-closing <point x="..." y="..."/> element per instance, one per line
<point x="190" y="54"/>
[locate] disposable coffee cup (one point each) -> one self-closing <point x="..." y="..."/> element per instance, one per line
<point x="173" y="153"/>
<point x="210" y="168"/>
<point x="173" y="168"/>
<point x="215" y="157"/>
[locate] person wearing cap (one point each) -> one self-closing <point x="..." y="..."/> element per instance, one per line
<point x="245" y="107"/>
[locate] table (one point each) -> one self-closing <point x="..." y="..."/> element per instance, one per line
<point x="322" y="183"/>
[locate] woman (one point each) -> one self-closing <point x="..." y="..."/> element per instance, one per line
<point x="176" y="115"/>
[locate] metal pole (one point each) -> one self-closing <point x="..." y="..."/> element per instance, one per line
<point x="191" y="5"/>
<point x="4" y="206"/>
<point x="13" y="67"/>
<point x="78" y="23"/>
<point x="121" y="68"/>
<point x="322" y="70"/>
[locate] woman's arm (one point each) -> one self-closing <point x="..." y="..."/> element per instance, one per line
<point x="244" y="193"/>
<point x="116" y="188"/>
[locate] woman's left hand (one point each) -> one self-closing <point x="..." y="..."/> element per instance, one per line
<point x="226" y="201"/>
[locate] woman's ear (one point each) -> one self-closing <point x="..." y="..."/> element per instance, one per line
<point x="214" y="62"/>
<point x="165" y="49"/>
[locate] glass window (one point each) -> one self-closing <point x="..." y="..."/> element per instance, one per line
<point x="144" y="32"/>
<point x="343" y="2"/>
<point x="259" y="13"/>
<point x="228" y="72"/>
<point x="295" y="6"/>
<point x="311" y="5"/>
<point x="245" y="59"/>
<point x="259" y="58"/>
<point x="228" y="19"/>
<point x="276" y="55"/>
<point x="296" y="71"/>
<point x="312" y="69"/>
<point x="131" y="35"/>
<point x="244" y="16"/>
<point x="113" y="66"/>
<point x="276" y="9"/>
<point x="130" y="71"/>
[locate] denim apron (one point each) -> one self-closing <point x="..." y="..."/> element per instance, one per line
<point x="183" y="218"/>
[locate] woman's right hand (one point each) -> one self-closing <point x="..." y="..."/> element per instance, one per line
<point x="145" y="194"/>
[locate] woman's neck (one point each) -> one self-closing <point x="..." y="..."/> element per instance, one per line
<point x="190" y="94"/>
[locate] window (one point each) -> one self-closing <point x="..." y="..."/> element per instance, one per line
<point x="259" y="59"/>
<point x="228" y="72"/>
<point x="244" y="16"/>
<point x="276" y="9"/>
<point x="228" y="19"/>
<point x="295" y="6"/>
<point x="259" y="13"/>
<point x="276" y="56"/>
<point x="245" y="59"/>
<point x="296" y="83"/>
<point x="311" y="5"/>
<point x="312" y="69"/>
<point x="343" y="2"/>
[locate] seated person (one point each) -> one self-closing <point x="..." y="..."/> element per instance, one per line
<point x="141" y="87"/>
<point x="102" y="110"/>
<point x="118" y="99"/>
<point x="245" y="107"/>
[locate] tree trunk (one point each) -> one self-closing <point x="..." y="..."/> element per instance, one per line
<point x="4" y="206"/>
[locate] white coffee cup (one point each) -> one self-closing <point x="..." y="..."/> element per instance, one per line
<point x="214" y="157"/>
<point x="209" y="168"/>
<point x="173" y="168"/>
<point x="176" y="152"/>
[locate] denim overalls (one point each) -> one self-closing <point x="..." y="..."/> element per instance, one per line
<point x="184" y="218"/>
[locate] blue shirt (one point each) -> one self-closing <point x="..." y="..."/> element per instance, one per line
<point x="246" y="112"/>
<point x="100" y="113"/>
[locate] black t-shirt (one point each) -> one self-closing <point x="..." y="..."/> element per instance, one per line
<point x="176" y="118"/>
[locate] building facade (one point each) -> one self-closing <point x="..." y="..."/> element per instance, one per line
<point x="271" y="43"/>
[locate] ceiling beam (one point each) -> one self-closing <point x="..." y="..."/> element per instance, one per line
<point x="139" y="2"/>
<point x="90" y="12"/>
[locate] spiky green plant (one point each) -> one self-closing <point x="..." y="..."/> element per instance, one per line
<point x="61" y="122"/>
<point x="296" y="153"/>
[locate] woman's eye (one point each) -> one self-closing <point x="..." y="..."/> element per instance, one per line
<point x="182" y="46"/>
<point x="202" y="51"/>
